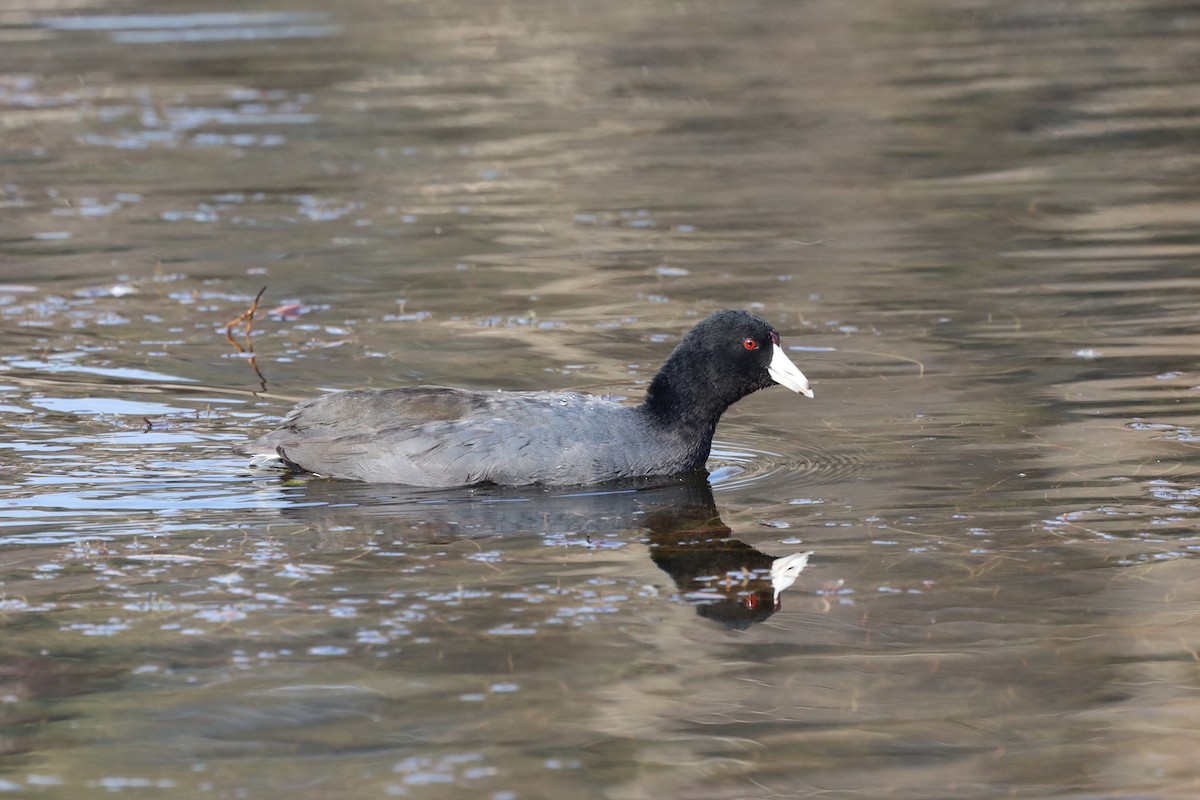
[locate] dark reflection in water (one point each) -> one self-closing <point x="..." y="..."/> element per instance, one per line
<point x="730" y="582"/>
<point x="974" y="224"/>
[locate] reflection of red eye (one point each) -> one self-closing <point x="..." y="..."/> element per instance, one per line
<point x="750" y="344"/>
<point x="751" y="601"/>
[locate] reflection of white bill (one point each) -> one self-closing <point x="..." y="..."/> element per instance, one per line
<point x="784" y="571"/>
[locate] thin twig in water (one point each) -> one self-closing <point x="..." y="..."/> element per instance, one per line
<point x="247" y="317"/>
<point x="262" y="379"/>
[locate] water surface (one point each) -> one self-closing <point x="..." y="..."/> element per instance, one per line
<point x="974" y="225"/>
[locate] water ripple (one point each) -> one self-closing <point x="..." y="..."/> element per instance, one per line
<point x="737" y="465"/>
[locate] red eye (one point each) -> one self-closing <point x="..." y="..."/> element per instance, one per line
<point x="750" y="344"/>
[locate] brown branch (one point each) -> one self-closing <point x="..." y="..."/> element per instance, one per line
<point x="247" y="317"/>
<point x="262" y="379"/>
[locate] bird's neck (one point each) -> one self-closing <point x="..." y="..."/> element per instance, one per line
<point x="681" y="399"/>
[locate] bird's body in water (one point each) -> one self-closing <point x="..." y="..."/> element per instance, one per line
<point x="442" y="437"/>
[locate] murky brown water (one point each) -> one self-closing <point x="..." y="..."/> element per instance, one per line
<point x="975" y="224"/>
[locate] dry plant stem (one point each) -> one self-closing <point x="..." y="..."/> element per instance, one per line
<point x="262" y="379"/>
<point x="248" y="317"/>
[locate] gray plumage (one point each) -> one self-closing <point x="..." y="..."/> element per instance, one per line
<point x="440" y="437"/>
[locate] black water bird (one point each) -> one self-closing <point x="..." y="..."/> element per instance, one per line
<point x="441" y="437"/>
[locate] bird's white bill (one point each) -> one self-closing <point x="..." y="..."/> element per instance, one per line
<point x="785" y="373"/>
<point x="784" y="571"/>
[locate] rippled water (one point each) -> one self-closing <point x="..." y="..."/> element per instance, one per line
<point x="974" y="225"/>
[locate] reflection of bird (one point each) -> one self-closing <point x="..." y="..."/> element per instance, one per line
<point x="785" y="570"/>
<point x="439" y="437"/>
<point x="730" y="581"/>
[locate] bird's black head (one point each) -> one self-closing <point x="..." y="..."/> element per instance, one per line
<point x="718" y="362"/>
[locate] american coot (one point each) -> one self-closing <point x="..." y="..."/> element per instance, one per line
<point x="439" y="437"/>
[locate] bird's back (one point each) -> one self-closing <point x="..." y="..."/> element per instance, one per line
<point x="435" y="436"/>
